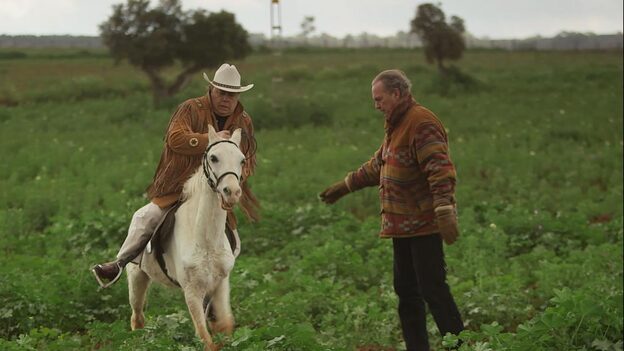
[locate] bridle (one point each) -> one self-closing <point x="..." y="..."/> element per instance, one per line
<point x="209" y="173"/>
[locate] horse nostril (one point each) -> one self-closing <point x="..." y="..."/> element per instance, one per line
<point x="238" y="192"/>
<point x="226" y="190"/>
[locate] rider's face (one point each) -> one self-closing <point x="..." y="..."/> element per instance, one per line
<point x="223" y="102"/>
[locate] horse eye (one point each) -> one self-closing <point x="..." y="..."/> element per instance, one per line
<point x="243" y="162"/>
<point x="214" y="159"/>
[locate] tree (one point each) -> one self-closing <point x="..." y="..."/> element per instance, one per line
<point x="154" y="39"/>
<point x="307" y="27"/>
<point x="442" y="40"/>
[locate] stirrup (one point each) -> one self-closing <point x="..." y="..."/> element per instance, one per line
<point x="102" y="284"/>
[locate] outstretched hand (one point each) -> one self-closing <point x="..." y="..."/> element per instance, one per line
<point x="334" y="192"/>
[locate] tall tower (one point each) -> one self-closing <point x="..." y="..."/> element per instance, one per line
<point x="276" y="20"/>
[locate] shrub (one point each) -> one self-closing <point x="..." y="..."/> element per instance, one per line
<point x="12" y="55"/>
<point x="452" y="81"/>
<point x="289" y="113"/>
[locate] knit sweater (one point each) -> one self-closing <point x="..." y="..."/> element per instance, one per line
<point x="413" y="170"/>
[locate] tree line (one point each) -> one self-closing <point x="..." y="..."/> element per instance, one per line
<point x="153" y="39"/>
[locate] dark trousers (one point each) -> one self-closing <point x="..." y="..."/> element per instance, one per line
<point x="419" y="277"/>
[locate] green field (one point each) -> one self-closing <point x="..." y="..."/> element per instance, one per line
<point x="537" y="142"/>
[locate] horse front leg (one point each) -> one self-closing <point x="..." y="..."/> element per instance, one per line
<point x="194" y="300"/>
<point x="224" y="319"/>
<point x="138" y="283"/>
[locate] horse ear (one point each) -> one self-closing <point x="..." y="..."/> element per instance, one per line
<point x="236" y="136"/>
<point x="212" y="134"/>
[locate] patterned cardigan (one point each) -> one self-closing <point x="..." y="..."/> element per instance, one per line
<point x="413" y="170"/>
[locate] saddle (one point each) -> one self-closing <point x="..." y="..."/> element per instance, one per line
<point x="155" y="248"/>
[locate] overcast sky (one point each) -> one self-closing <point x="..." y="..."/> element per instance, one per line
<point x="491" y="18"/>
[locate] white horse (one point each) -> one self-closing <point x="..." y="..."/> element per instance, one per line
<point x="199" y="256"/>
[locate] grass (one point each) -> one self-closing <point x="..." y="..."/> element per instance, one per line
<point x="538" y="149"/>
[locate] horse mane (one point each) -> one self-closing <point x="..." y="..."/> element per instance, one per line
<point x="195" y="184"/>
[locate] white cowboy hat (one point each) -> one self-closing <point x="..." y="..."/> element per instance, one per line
<point x="227" y="78"/>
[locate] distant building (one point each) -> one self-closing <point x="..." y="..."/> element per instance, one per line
<point x="563" y="41"/>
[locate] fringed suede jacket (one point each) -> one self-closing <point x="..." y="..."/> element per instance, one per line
<point x="185" y="143"/>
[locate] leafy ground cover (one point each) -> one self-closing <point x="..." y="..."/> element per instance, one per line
<point x="537" y="142"/>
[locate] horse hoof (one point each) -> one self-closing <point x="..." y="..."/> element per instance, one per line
<point x="137" y="323"/>
<point x="222" y="327"/>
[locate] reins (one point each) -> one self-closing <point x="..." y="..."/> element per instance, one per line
<point x="252" y="145"/>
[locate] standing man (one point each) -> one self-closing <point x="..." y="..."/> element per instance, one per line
<point x="186" y="140"/>
<point x="416" y="180"/>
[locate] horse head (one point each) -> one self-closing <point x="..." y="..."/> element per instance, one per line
<point x="223" y="164"/>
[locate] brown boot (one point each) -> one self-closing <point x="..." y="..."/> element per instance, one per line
<point x="108" y="273"/>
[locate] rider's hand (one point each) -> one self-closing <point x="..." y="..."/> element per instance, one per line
<point x="224" y="134"/>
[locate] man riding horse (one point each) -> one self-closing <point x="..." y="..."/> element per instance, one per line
<point x="186" y="140"/>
